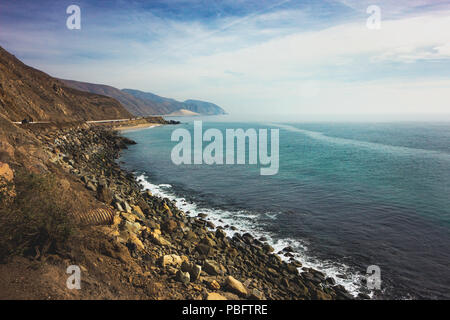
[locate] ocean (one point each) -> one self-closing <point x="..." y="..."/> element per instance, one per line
<point x="347" y="196"/>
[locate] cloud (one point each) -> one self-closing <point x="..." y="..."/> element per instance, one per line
<point x="282" y="59"/>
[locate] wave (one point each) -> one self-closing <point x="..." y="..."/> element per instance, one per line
<point x="253" y="223"/>
<point x="398" y="150"/>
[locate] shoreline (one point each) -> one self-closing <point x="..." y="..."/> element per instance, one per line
<point x="281" y="244"/>
<point x="136" y="127"/>
<point x="151" y="240"/>
<point x="331" y="269"/>
<point x="221" y="220"/>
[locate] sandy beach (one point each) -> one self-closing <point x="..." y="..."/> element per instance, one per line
<point x="137" y="127"/>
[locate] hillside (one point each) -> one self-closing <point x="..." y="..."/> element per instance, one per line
<point x="133" y="104"/>
<point x="26" y="92"/>
<point x="202" y="107"/>
<point x="197" y="106"/>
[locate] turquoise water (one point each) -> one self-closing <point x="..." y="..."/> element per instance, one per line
<point x="347" y="195"/>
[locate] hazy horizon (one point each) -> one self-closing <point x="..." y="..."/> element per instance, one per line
<point x="250" y="57"/>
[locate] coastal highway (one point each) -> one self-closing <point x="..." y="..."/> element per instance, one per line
<point x="91" y="121"/>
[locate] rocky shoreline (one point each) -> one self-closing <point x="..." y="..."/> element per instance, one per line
<point x="189" y="255"/>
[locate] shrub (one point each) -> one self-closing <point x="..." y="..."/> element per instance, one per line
<point x="36" y="221"/>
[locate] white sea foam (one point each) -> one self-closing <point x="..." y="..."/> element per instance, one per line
<point x="248" y="222"/>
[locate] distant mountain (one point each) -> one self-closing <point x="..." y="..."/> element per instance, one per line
<point x="134" y="105"/>
<point x="169" y="105"/>
<point x="203" y="107"/>
<point x="141" y="103"/>
<point x="26" y="92"/>
<point x="200" y="107"/>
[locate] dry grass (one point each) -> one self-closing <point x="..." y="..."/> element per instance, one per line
<point x="36" y="221"/>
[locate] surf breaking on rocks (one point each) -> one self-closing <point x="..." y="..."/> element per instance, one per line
<point x="247" y="222"/>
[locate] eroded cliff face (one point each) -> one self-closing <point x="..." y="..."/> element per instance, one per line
<point x="29" y="93"/>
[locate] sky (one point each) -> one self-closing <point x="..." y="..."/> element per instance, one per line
<point x="248" y="56"/>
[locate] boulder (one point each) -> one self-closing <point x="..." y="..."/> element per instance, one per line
<point x="156" y="238"/>
<point x="132" y="227"/>
<point x="215" y="296"/>
<point x="204" y="249"/>
<point x="118" y="206"/>
<point x="193" y="269"/>
<point x="267" y="248"/>
<point x="255" y="294"/>
<point x="320" y="295"/>
<point x="183" y="277"/>
<point x="214" y="285"/>
<point x="170" y="260"/>
<point x="209" y="242"/>
<point x="236" y="286"/>
<point x="6" y="173"/>
<point x="134" y="239"/>
<point x="137" y="211"/>
<point x="169" y="226"/>
<point x="127" y="207"/>
<point x="220" y="234"/>
<point x="190" y="236"/>
<point x="213" y="268"/>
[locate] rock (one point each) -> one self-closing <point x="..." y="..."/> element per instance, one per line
<point x="167" y="210"/>
<point x="214" y="285"/>
<point x="230" y="296"/>
<point x="132" y="227"/>
<point x="156" y="238"/>
<point x="236" y="286"/>
<point x="116" y="220"/>
<point x="267" y="248"/>
<point x="292" y="269"/>
<point x="190" y="236"/>
<point x="118" y="206"/>
<point x="6" y="174"/>
<point x="137" y="211"/>
<point x="363" y="296"/>
<point x="320" y="295"/>
<point x="273" y="273"/>
<point x="255" y="294"/>
<point x="208" y="241"/>
<point x="193" y="269"/>
<point x="220" y="234"/>
<point x="126" y="206"/>
<point x="210" y="225"/>
<point x="295" y="263"/>
<point x="134" y="239"/>
<point x="195" y="272"/>
<point x="128" y="216"/>
<point x="202" y="215"/>
<point x="183" y="277"/>
<point x="169" y="226"/>
<point x="170" y="260"/>
<point x="215" y="296"/>
<point x="204" y="249"/>
<point x="211" y="267"/>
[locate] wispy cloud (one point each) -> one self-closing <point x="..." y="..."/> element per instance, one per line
<point x="286" y="54"/>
